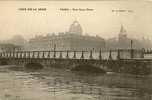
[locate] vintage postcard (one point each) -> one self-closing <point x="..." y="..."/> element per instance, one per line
<point x="76" y="50"/>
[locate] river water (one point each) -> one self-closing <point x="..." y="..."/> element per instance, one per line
<point x="61" y="84"/>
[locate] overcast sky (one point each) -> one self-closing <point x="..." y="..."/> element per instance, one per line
<point x="136" y="19"/>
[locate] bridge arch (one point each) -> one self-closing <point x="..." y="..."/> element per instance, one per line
<point x="33" y="66"/>
<point x="3" y="62"/>
<point x="89" y="68"/>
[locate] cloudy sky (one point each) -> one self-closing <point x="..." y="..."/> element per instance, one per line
<point x="104" y="20"/>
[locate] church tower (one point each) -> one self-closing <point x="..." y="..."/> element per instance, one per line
<point x="122" y="34"/>
<point x="123" y="41"/>
<point x="75" y="28"/>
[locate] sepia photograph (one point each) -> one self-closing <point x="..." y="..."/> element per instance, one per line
<point x="76" y="50"/>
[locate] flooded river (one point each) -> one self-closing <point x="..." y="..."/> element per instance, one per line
<point x="61" y="84"/>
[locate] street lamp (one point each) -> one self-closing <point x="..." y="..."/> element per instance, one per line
<point x="131" y="44"/>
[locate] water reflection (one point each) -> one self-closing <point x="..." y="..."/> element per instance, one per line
<point x="58" y="84"/>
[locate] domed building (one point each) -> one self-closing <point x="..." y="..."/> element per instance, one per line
<point x="71" y="40"/>
<point x="75" y="28"/>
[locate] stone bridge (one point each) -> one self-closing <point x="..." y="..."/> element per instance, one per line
<point x="128" y="61"/>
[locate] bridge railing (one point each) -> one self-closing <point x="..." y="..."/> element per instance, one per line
<point x="101" y="54"/>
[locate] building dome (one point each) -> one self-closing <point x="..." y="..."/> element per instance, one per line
<point x="75" y="28"/>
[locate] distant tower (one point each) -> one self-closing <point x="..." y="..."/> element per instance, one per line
<point x="123" y="41"/>
<point x="122" y="34"/>
<point x="75" y="28"/>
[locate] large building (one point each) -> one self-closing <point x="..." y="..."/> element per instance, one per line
<point x="71" y="40"/>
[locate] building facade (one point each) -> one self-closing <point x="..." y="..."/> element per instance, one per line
<point x="71" y="40"/>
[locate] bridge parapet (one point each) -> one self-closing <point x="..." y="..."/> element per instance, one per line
<point x="56" y="54"/>
<point x="98" y="55"/>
